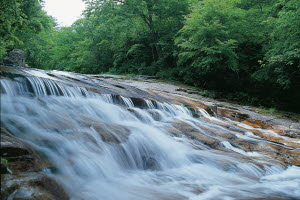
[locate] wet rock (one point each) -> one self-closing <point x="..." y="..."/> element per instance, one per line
<point x="181" y="128"/>
<point x="295" y="126"/>
<point x="110" y="133"/>
<point x="144" y="77"/>
<point x="155" y="115"/>
<point x="25" y="182"/>
<point x="120" y="86"/>
<point x="108" y="76"/>
<point x="20" y="156"/>
<point x="138" y="102"/>
<point x="31" y="186"/>
<point x="194" y="111"/>
<point x="15" y="58"/>
<point x="292" y="133"/>
<point x="232" y="114"/>
<point x="181" y="89"/>
<point x="191" y="103"/>
<point x="214" y="109"/>
<point x="276" y="147"/>
<point x="251" y="146"/>
<point x="187" y="90"/>
<point x="150" y="163"/>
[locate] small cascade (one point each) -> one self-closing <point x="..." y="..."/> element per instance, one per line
<point x="105" y="146"/>
<point x="149" y="104"/>
<point x="127" y="102"/>
<point x="40" y="87"/>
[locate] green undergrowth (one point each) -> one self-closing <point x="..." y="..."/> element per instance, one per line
<point x="4" y="166"/>
<point x="279" y="114"/>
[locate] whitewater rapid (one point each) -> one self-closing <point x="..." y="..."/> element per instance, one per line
<point x="104" y="149"/>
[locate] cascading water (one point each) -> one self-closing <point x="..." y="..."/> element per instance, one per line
<point x="108" y="149"/>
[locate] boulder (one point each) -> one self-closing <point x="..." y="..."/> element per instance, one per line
<point x="21" y="176"/>
<point x="20" y="156"/>
<point x="31" y="186"/>
<point x="15" y="58"/>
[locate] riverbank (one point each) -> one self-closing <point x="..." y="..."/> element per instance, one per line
<point x="284" y="123"/>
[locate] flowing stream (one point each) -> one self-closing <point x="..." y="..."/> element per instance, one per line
<point x="103" y="148"/>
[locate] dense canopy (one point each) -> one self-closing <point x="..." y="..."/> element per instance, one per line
<point x="244" y="50"/>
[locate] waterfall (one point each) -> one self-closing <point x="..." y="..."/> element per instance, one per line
<point x="103" y="146"/>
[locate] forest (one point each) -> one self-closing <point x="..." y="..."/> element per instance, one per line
<point x="242" y="50"/>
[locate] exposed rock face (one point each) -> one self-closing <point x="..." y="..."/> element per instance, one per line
<point x="15" y="58"/>
<point x="26" y="181"/>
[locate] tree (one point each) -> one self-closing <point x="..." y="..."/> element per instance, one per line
<point x="281" y="65"/>
<point x="139" y="34"/>
<point x="19" y="21"/>
<point x="209" y="40"/>
<point x="282" y="60"/>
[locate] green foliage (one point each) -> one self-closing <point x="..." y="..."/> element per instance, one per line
<point x="139" y="34"/>
<point x="4" y="162"/>
<point x="20" y="21"/>
<point x="204" y="93"/>
<point x="280" y="68"/>
<point x="282" y="59"/>
<point x="216" y="44"/>
<point x="246" y="49"/>
<point x="206" y="39"/>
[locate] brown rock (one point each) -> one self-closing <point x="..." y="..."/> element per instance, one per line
<point x="31" y="186"/>
<point x="232" y="114"/>
<point x="292" y="133"/>
<point x="111" y="133"/>
<point x="25" y="183"/>
<point x="20" y="156"/>
<point x="182" y="128"/>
